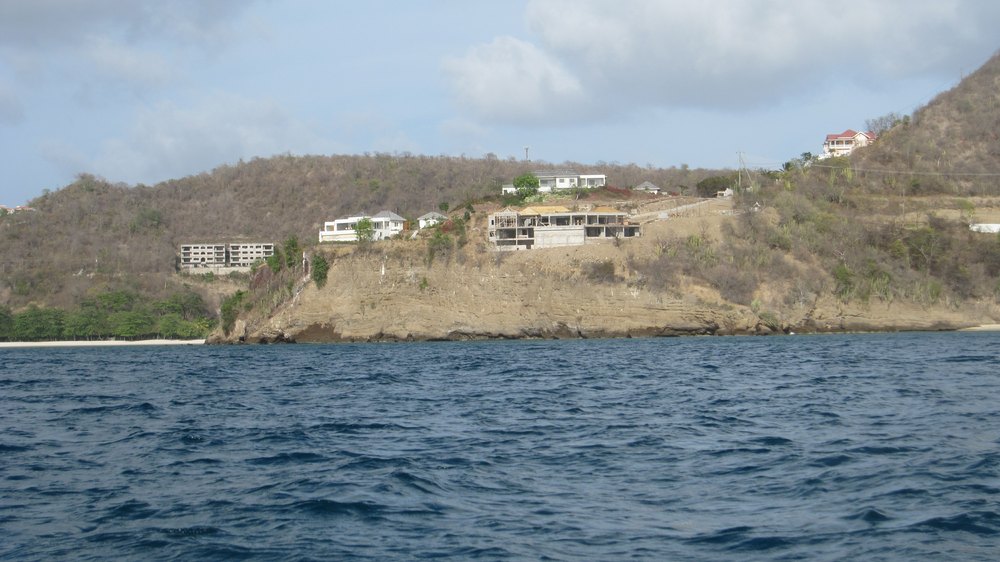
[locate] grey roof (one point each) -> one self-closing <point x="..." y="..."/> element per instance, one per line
<point x="388" y="215"/>
<point x="554" y="173"/>
<point x="431" y="215"/>
<point x="647" y="186"/>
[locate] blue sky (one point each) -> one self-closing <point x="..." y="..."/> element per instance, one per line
<point x="140" y="91"/>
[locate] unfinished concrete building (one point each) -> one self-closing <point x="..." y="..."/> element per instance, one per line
<point x="224" y="257"/>
<point x="555" y="226"/>
<point x="247" y="254"/>
<point x="203" y="255"/>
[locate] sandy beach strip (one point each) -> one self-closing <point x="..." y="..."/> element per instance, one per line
<point x="982" y="328"/>
<point x="97" y="343"/>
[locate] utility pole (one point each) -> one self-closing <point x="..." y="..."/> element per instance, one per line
<point x="743" y="170"/>
<point x="739" y="174"/>
<point x="526" y="154"/>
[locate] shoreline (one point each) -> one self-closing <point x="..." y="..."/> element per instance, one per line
<point x="462" y="337"/>
<point x="311" y="338"/>
<point x="96" y="343"/>
<point x="982" y="328"/>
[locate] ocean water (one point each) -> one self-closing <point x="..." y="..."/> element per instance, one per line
<point x="835" y="447"/>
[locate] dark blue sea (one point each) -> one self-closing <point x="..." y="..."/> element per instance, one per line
<point x="834" y="447"/>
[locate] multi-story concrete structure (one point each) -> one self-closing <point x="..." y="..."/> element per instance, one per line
<point x="553" y="226"/>
<point x="245" y="255"/>
<point x="234" y="256"/>
<point x="203" y="255"/>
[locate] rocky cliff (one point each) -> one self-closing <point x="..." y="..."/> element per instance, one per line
<point x="392" y="291"/>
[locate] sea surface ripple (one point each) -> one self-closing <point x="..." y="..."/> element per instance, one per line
<point x="881" y="447"/>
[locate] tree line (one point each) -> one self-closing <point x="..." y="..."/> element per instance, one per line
<point x="111" y="315"/>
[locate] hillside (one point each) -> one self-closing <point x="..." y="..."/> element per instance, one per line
<point x="876" y="241"/>
<point x="395" y="291"/>
<point x="93" y="236"/>
<point x="951" y="145"/>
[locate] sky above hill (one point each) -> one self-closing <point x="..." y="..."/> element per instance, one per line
<point x="140" y="91"/>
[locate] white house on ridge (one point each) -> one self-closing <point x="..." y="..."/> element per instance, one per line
<point x="430" y="219"/>
<point x="386" y="224"/>
<point x="555" y="180"/>
<point x="648" y="187"/>
<point x="844" y="143"/>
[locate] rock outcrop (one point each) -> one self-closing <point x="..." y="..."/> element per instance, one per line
<point x="391" y="293"/>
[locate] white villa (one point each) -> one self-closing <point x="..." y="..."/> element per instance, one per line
<point x="648" y="187"/>
<point x="554" y="180"/>
<point x="567" y="179"/>
<point x="430" y="219"/>
<point x="554" y="226"/>
<point x="386" y="224"/>
<point x="844" y="143"/>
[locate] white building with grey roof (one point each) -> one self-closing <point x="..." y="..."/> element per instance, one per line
<point x="386" y="224"/>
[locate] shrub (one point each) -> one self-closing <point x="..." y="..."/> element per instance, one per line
<point x="709" y="187"/>
<point x="320" y="269"/>
<point x="230" y="309"/>
<point x="439" y="245"/>
<point x="735" y="284"/>
<point x="601" y="271"/>
<point x="6" y="324"/>
<point x="293" y="252"/>
<point x="844" y="279"/>
<point x="39" y="324"/>
<point x="275" y="261"/>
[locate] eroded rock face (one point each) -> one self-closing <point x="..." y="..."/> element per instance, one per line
<point x="536" y="294"/>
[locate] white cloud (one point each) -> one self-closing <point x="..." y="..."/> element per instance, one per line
<point x="169" y="141"/>
<point x="119" y="62"/>
<point x="110" y="45"/>
<point x="513" y="81"/>
<point x="614" y="57"/>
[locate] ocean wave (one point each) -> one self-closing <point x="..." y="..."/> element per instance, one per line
<point x="832" y="447"/>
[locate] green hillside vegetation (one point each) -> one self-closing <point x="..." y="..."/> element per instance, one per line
<point x="113" y="314"/>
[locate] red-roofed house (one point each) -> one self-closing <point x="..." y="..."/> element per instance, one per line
<point x="842" y="144"/>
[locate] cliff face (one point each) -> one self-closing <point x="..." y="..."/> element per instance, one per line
<point x="391" y="299"/>
<point x="390" y="293"/>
